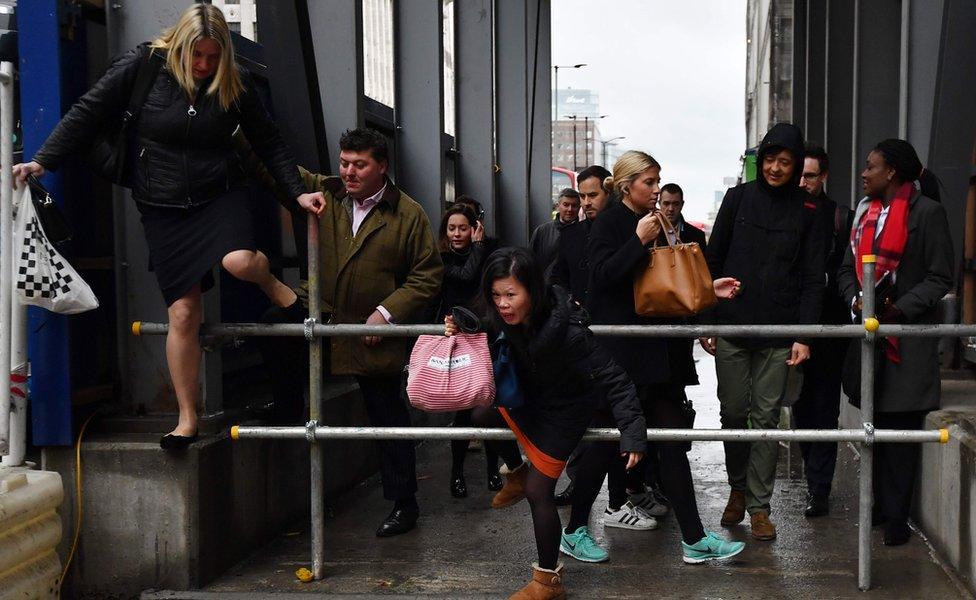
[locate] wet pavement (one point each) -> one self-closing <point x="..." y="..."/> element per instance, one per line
<point x="463" y="548"/>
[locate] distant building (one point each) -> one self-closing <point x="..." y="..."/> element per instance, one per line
<point x="582" y="132"/>
<point x="583" y="103"/>
<point x="769" y="66"/>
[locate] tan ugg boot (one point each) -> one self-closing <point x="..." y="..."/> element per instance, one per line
<point x="546" y="584"/>
<point x="514" y="489"/>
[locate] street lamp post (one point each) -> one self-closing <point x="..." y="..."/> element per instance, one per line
<point x="586" y="128"/>
<point x="574" y="117"/>
<point x="609" y="142"/>
<point x="555" y="116"/>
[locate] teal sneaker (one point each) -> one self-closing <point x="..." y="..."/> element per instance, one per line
<point x="710" y="547"/>
<point x="581" y="546"/>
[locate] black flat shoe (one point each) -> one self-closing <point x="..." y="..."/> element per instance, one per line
<point x="817" y="506"/>
<point x="401" y="520"/>
<point x="459" y="487"/>
<point x="495" y="482"/>
<point x="176" y="443"/>
<point x="896" y="533"/>
<point x="565" y="497"/>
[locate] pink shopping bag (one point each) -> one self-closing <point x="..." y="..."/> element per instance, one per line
<point x="450" y="373"/>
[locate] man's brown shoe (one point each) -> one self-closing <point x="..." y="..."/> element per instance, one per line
<point x="735" y="510"/>
<point x="514" y="489"/>
<point x="762" y="528"/>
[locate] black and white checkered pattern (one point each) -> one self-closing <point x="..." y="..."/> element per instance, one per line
<point x="41" y="271"/>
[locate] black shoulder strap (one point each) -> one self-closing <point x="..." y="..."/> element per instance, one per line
<point x="149" y="67"/>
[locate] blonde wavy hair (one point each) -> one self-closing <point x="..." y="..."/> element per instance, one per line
<point x="197" y="22"/>
<point x="630" y="164"/>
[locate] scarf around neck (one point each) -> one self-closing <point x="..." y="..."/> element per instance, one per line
<point x="888" y="248"/>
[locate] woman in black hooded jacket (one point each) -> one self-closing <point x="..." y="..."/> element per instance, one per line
<point x="766" y="235"/>
<point x="564" y="376"/>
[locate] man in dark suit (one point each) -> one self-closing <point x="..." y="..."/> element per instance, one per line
<point x="818" y="406"/>
<point x="672" y="200"/>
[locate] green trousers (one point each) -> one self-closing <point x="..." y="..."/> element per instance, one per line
<point x="751" y="385"/>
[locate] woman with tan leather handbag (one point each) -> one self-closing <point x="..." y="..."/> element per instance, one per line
<point x="618" y="249"/>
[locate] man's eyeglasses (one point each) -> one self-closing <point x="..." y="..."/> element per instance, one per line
<point x="810" y="176"/>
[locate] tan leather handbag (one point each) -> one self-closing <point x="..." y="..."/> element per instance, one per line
<point x="676" y="281"/>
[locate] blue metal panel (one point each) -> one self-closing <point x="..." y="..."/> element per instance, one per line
<point x="41" y="106"/>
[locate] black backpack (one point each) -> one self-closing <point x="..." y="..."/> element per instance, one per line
<point x="110" y="154"/>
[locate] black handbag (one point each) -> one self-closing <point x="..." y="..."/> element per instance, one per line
<point x="110" y="153"/>
<point x="48" y="213"/>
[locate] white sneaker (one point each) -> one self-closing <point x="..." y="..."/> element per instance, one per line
<point x="628" y="517"/>
<point x="647" y="503"/>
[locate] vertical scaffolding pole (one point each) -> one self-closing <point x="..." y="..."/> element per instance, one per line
<point x="6" y="245"/>
<point x="315" y="400"/>
<point x="867" y="416"/>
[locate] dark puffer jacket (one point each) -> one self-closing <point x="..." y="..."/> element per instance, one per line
<point x="180" y="160"/>
<point x="562" y="364"/>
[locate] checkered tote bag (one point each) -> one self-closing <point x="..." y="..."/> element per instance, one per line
<point x="44" y="278"/>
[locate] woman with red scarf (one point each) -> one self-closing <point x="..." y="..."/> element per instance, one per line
<point x="909" y="234"/>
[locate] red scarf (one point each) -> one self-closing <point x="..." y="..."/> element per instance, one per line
<point x="888" y="248"/>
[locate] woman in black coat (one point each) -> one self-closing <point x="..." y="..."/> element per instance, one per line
<point x="563" y="374"/>
<point x="186" y="179"/>
<point x="463" y="252"/>
<point x="914" y="270"/>
<point x="618" y="248"/>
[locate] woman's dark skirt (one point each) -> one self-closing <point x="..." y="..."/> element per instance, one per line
<point x="185" y="244"/>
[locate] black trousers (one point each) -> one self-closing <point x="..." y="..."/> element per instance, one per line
<point x="597" y="461"/>
<point x="663" y="407"/>
<point x="287" y="362"/>
<point x="286" y="359"/>
<point x="386" y="408"/>
<point x="818" y="407"/>
<point x="896" y="466"/>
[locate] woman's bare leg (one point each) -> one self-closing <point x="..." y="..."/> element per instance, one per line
<point x="248" y="265"/>
<point x="183" y="357"/>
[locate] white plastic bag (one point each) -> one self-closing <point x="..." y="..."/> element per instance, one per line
<point x="44" y="278"/>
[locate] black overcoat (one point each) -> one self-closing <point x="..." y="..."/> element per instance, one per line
<point x="923" y="277"/>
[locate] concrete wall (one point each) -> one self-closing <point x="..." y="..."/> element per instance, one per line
<point x="944" y="506"/>
<point x="157" y="520"/>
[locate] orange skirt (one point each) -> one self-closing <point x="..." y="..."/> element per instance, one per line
<point x="548" y="435"/>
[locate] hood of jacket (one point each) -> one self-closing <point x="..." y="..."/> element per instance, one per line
<point x="782" y="136"/>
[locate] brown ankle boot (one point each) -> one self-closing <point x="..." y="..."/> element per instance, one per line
<point x="514" y="489"/>
<point x="762" y="528"/>
<point x="545" y="585"/>
<point x="735" y="510"/>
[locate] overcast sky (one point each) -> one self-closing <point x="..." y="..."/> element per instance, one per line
<point x="671" y="77"/>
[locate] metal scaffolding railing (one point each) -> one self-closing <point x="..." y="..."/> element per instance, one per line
<point x="314" y="432"/>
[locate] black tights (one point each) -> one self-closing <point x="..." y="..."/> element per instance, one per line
<point x="459" y="448"/>
<point x="539" y="490"/>
<point x="597" y="461"/>
<point x="662" y="408"/>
